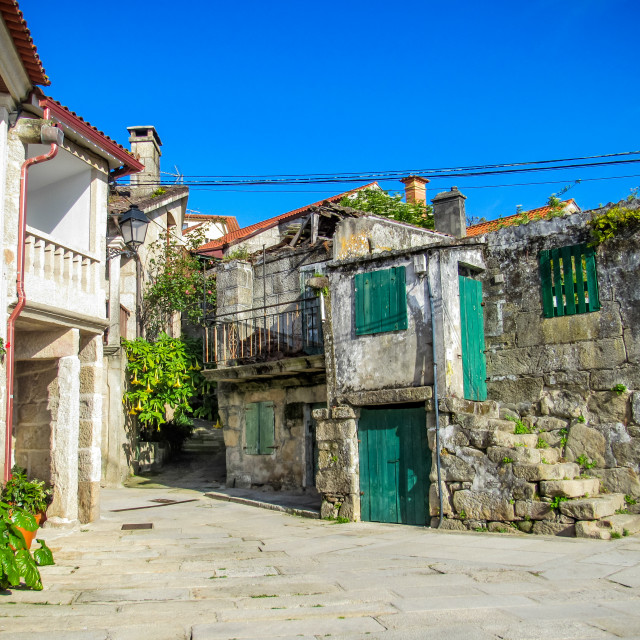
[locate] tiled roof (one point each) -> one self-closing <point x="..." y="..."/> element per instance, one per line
<point x="192" y="227"/>
<point x="99" y="138"/>
<point x="494" y="225"/>
<point x="122" y="197"/>
<point x="23" y="42"/>
<point x="240" y="234"/>
<point x="230" y="221"/>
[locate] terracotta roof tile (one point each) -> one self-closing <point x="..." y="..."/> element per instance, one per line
<point x="23" y="42"/>
<point x="71" y="117"/>
<point x="239" y="234"/>
<point x="494" y="225"/>
<point x="230" y="221"/>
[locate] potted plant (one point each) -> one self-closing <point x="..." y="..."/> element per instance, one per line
<point x="31" y="495"/>
<point x="16" y="561"/>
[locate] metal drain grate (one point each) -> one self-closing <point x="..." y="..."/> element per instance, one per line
<point x="163" y="501"/>
<point x="141" y="525"/>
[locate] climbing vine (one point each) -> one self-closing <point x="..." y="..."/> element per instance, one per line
<point x="178" y="282"/>
<point x="165" y="373"/>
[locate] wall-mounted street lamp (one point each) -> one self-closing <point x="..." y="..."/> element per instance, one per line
<point x="133" y="225"/>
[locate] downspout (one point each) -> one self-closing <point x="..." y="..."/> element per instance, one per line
<point x="53" y="135"/>
<point x="435" y="398"/>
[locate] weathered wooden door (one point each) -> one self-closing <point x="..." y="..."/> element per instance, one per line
<point x="474" y="365"/>
<point x="394" y="465"/>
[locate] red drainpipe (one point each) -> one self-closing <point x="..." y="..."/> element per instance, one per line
<point x="22" y="299"/>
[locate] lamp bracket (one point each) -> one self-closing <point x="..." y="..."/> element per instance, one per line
<point x="113" y="252"/>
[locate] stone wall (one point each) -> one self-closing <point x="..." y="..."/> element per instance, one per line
<point x="286" y="467"/>
<point x="555" y="449"/>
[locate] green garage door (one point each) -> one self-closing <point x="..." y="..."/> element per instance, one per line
<point x="394" y="465"/>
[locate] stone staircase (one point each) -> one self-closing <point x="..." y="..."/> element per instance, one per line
<point x="565" y="501"/>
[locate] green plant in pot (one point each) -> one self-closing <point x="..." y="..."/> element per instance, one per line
<point x="16" y="561"/>
<point x="31" y="495"/>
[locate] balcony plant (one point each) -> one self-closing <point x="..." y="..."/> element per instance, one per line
<point x="31" y="495"/>
<point x="16" y="561"/>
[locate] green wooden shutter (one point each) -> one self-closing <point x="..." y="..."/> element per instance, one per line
<point x="381" y="301"/>
<point x="569" y="281"/>
<point x="252" y="427"/>
<point x="267" y="428"/>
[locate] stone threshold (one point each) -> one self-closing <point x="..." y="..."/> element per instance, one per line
<point x="304" y="512"/>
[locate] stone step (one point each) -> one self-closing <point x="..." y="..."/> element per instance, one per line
<point x="570" y="488"/>
<point x="504" y="439"/>
<point x="620" y="524"/>
<point x="593" y="508"/>
<point x="535" y="472"/>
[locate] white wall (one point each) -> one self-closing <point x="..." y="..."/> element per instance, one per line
<point x="59" y="200"/>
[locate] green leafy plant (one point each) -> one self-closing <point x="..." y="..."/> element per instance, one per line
<point x="178" y="282"/>
<point x="507" y="460"/>
<point x="581" y="419"/>
<point x="241" y="253"/>
<point x="544" y="461"/>
<point x="622" y="511"/>
<point x="542" y="443"/>
<point x="380" y="203"/>
<point x="625" y="532"/>
<point x="629" y="500"/>
<point x="616" y="220"/>
<point x="520" y="427"/>
<point x="164" y="373"/>
<point x="31" y="495"/>
<point x="619" y="389"/>
<point x="615" y="535"/>
<point x="160" y="191"/>
<point x="555" y="503"/>
<point x="463" y="514"/>
<point x="3" y="350"/>
<point x="564" y="433"/>
<point x="16" y="561"/>
<point x="585" y="462"/>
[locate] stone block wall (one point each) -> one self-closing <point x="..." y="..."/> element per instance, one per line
<point x="338" y="477"/>
<point x="286" y="467"/>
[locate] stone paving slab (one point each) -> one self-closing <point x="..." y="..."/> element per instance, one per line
<point x="205" y="568"/>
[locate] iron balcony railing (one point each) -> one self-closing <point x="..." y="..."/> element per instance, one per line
<point x="295" y="329"/>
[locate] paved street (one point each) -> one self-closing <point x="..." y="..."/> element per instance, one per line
<point x="218" y="570"/>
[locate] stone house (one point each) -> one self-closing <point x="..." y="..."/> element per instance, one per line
<point x="54" y="284"/>
<point x="503" y="363"/>
<point x="212" y="227"/>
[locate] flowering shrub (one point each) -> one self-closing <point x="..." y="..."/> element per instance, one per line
<point x="165" y="373"/>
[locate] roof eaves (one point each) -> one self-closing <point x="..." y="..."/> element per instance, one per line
<point x="23" y="42"/>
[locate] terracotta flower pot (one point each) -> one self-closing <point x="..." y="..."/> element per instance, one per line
<point x="30" y="535"/>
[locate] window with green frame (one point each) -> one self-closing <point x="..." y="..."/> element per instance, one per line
<point x="569" y="281"/>
<point x="381" y="301"/>
<point x="259" y="428"/>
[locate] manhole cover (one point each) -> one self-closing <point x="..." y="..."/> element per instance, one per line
<point x="141" y="525"/>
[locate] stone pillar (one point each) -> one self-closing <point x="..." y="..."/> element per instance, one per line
<point x="90" y="425"/>
<point x="65" y="403"/>
<point x="415" y="189"/>
<point x="234" y="286"/>
<point x="449" y="214"/>
<point x="338" y="478"/>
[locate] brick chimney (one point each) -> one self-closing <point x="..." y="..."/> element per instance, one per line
<point x="448" y="213"/>
<point x="415" y="189"/>
<point x="145" y="145"/>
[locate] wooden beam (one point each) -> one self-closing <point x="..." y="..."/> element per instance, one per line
<point x="300" y="230"/>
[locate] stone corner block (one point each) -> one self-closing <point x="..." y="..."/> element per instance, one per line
<point x="342" y="413"/>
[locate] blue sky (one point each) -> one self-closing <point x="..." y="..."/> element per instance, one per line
<point x="318" y="87"/>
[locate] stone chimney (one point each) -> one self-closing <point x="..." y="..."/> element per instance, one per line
<point x="145" y="145"/>
<point x="415" y="189"/>
<point x="448" y="213"/>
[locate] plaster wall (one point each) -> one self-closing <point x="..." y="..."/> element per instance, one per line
<point x="395" y="359"/>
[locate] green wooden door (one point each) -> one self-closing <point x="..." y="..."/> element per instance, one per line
<point x="394" y="465"/>
<point x="474" y="365"/>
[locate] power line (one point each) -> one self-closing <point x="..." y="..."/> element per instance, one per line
<point x="405" y="172"/>
<point x="458" y="173"/>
